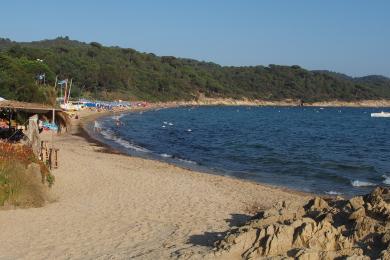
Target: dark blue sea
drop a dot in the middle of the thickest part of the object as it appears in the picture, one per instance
(322, 150)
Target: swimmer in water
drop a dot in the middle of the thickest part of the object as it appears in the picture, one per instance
(118, 122)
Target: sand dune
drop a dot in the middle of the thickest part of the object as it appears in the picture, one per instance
(111, 206)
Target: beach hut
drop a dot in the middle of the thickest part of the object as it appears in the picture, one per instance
(28, 115)
(15, 111)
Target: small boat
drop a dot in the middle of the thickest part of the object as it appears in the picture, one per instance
(381, 114)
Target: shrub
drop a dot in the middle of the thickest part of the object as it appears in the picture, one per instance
(20, 184)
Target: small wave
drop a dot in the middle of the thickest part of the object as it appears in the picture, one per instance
(109, 135)
(165, 155)
(187, 161)
(117, 117)
(338, 165)
(357, 183)
(332, 192)
(387, 179)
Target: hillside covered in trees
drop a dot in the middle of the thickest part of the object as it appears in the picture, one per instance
(121, 73)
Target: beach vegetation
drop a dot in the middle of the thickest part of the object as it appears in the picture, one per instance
(23, 178)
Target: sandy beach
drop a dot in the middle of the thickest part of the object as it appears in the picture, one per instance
(112, 206)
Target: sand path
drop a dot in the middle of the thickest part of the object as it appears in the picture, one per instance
(112, 206)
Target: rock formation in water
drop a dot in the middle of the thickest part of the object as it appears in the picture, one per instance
(358, 228)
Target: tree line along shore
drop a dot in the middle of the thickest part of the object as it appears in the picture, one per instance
(29, 71)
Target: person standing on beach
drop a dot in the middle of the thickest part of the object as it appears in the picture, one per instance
(96, 127)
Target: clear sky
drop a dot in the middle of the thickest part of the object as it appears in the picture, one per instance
(348, 36)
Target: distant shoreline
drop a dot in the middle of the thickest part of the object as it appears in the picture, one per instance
(281, 103)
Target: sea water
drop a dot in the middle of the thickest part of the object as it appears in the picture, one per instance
(322, 150)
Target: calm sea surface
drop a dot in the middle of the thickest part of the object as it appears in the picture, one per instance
(323, 150)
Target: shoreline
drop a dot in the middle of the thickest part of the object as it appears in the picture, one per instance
(106, 148)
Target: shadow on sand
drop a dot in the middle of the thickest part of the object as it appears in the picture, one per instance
(209, 238)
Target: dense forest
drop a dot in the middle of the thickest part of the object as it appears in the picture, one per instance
(101, 72)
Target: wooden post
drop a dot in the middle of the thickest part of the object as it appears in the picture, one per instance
(46, 153)
(50, 158)
(41, 152)
(53, 116)
(55, 158)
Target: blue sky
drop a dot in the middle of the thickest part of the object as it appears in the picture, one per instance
(348, 36)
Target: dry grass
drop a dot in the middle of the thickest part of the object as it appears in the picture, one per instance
(22, 177)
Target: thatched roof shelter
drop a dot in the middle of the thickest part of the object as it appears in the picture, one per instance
(28, 107)
(49, 112)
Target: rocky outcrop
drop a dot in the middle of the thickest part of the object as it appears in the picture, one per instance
(357, 228)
